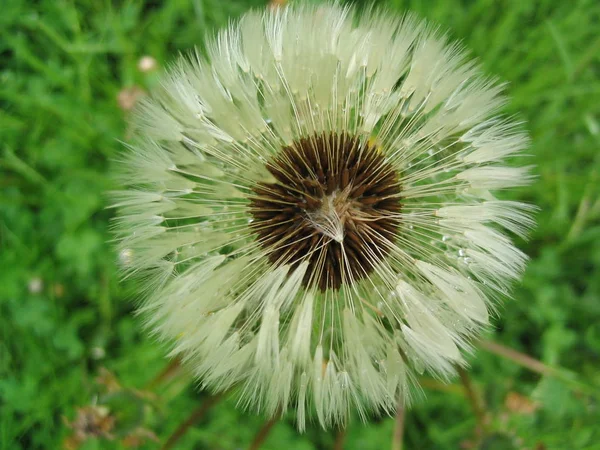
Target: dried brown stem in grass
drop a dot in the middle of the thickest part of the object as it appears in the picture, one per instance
(168, 372)
(474, 399)
(436, 385)
(193, 418)
(263, 433)
(520, 358)
(340, 438)
(276, 3)
(534, 365)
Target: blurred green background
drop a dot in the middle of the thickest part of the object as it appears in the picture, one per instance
(69, 74)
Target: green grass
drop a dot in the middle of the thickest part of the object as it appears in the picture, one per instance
(62, 65)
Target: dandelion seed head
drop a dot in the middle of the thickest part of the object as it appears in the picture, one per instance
(335, 201)
(311, 209)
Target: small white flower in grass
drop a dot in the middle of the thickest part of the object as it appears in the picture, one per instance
(310, 209)
(147, 64)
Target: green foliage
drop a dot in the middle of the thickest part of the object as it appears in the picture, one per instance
(64, 314)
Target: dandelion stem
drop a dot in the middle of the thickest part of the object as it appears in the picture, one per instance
(397, 440)
(263, 433)
(340, 437)
(196, 415)
(474, 399)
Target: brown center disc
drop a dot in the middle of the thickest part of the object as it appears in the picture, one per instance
(335, 204)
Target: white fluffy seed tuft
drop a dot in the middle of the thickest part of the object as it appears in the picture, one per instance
(205, 137)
